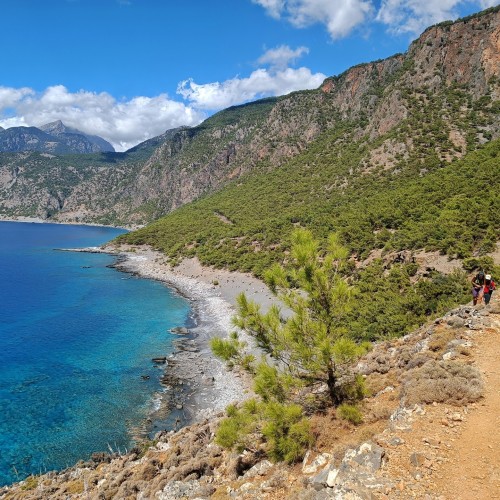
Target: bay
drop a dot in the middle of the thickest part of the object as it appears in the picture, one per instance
(76, 342)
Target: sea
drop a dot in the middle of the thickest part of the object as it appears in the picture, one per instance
(77, 338)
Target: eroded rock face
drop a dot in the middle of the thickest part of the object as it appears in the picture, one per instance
(374, 98)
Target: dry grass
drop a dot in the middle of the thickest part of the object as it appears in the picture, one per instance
(376, 382)
(440, 340)
(443, 382)
(75, 487)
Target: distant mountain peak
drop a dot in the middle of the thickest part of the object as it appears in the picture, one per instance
(58, 127)
(54, 137)
(62, 131)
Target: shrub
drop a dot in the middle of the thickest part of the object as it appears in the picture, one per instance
(286, 431)
(233, 432)
(477, 263)
(30, 483)
(225, 349)
(350, 413)
(443, 382)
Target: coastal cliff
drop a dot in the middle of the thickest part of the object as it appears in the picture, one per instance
(441, 96)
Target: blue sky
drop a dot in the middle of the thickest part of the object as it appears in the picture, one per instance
(130, 69)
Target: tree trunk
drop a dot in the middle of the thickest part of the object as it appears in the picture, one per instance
(332, 390)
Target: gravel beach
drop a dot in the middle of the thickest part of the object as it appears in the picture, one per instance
(213, 293)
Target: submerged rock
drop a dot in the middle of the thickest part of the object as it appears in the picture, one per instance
(161, 360)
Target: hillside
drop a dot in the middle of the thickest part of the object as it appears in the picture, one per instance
(407, 115)
(400, 158)
(425, 434)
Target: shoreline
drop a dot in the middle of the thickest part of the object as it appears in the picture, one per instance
(195, 384)
(196, 381)
(38, 220)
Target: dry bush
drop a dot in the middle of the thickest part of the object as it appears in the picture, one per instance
(376, 382)
(377, 362)
(443, 382)
(75, 487)
(440, 340)
(418, 360)
(380, 411)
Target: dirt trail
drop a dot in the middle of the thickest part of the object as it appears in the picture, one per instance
(473, 469)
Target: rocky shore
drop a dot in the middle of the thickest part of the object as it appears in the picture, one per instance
(197, 385)
(201, 384)
(429, 431)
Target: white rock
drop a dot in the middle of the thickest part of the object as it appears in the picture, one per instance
(331, 480)
(318, 462)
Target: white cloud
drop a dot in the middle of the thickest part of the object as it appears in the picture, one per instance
(261, 83)
(282, 56)
(273, 7)
(128, 122)
(339, 16)
(9, 96)
(413, 16)
(123, 123)
(488, 3)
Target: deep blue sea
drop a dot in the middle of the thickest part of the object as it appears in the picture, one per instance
(76, 337)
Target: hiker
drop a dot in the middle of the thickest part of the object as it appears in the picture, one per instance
(488, 287)
(477, 288)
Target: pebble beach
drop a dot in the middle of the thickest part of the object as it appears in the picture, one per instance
(212, 293)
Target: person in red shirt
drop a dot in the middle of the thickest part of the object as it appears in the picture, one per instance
(488, 287)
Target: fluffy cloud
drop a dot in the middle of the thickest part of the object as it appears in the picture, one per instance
(126, 123)
(413, 16)
(282, 56)
(123, 123)
(9, 97)
(340, 17)
(488, 3)
(261, 83)
(273, 7)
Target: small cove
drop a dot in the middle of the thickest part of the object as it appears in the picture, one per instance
(76, 342)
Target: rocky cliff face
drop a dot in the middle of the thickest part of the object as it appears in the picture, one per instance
(441, 96)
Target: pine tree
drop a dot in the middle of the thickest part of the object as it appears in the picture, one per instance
(310, 343)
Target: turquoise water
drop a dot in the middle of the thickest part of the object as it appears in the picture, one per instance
(76, 337)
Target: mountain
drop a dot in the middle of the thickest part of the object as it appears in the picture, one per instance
(53, 138)
(74, 138)
(30, 139)
(402, 117)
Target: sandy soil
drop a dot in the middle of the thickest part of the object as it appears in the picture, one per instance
(473, 469)
(456, 448)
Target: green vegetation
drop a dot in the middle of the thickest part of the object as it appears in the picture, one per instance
(30, 483)
(451, 208)
(350, 413)
(313, 343)
(283, 426)
(310, 347)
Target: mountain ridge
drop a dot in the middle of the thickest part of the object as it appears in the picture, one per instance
(52, 138)
(450, 70)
